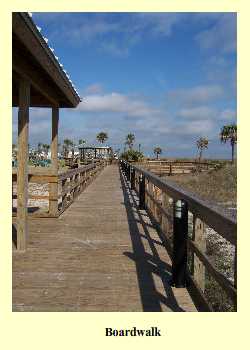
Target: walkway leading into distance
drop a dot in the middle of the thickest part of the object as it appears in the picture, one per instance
(102, 254)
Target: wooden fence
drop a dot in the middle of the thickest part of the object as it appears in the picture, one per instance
(164, 168)
(61, 189)
(171, 209)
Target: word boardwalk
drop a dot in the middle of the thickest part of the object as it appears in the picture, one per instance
(152, 332)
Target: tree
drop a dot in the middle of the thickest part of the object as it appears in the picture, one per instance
(81, 142)
(39, 148)
(46, 148)
(201, 144)
(66, 144)
(229, 133)
(102, 137)
(157, 151)
(132, 155)
(130, 139)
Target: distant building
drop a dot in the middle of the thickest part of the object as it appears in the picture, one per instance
(94, 152)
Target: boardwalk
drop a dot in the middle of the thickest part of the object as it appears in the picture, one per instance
(102, 254)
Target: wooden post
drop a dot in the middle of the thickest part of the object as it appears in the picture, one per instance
(129, 172)
(179, 268)
(200, 241)
(142, 192)
(170, 170)
(165, 221)
(53, 187)
(132, 178)
(22, 170)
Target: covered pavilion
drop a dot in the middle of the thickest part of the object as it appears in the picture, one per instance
(38, 80)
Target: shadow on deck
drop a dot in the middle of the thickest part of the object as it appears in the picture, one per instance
(147, 264)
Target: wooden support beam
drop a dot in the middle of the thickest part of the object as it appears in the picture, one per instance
(22, 170)
(53, 187)
(25, 70)
(200, 239)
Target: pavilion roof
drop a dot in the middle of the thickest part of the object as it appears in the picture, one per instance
(35, 60)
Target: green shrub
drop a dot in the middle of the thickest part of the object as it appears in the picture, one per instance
(132, 155)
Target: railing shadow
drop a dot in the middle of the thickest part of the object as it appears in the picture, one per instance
(147, 265)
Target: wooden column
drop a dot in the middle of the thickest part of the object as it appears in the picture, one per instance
(199, 239)
(22, 170)
(53, 187)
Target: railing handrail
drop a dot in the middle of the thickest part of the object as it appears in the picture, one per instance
(178, 162)
(72, 172)
(217, 218)
(180, 244)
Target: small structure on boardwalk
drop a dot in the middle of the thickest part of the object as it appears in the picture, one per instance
(38, 81)
(94, 152)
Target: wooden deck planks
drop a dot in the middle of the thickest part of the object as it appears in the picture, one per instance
(102, 254)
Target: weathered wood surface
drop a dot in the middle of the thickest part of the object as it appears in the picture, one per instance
(203, 213)
(102, 254)
(22, 174)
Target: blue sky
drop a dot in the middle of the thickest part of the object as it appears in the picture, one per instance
(169, 78)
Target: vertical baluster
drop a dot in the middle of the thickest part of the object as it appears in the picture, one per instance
(200, 240)
(165, 205)
(132, 179)
(179, 266)
(142, 192)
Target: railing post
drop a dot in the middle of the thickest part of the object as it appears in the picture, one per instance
(170, 169)
(200, 239)
(129, 172)
(142, 192)
(132, 178)
(180, 235)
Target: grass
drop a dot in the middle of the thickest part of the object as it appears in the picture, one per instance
(219, 185)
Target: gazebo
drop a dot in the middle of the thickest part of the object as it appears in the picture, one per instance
(96, 151)
(38, 81)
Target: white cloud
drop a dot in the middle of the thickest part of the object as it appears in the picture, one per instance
(116, 103)
(228, 114)
(94, 89)
(116, 33)
(199, 127)
(198, 94)
(203, 112)
(221, 36)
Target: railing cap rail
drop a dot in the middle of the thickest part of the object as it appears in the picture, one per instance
(223, 222)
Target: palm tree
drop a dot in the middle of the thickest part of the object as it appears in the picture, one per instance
(66, 144)
(81, 142)
(157, 151)
(102, 137)
(39, 148)
(229, 133)
(130, 139)
(46, 148)
(201, 144)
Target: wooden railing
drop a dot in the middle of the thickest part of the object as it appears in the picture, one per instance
(74, 181)
(182, 220)
(61, 189)
(162, 168)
